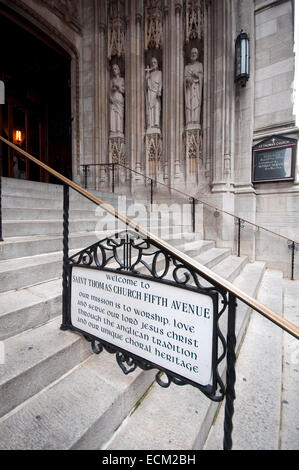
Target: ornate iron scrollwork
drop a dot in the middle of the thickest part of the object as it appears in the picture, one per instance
(129, 252)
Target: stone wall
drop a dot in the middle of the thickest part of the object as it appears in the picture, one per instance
(277, 203)
(233, 118)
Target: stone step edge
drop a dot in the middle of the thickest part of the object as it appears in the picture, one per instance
(19, 383)
(123, 394)
(56, 256)
(105, 233)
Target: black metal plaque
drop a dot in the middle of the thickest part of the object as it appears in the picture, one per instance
(274, 159)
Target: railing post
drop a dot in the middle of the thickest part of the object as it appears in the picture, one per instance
(293, 259)
(239, 235)
(230, 373)
(152, 191)
(193, 215)
(85, 171)
(113, 177)
(65, 268)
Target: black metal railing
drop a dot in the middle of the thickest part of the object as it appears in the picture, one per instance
(240, 222)
(228, 291)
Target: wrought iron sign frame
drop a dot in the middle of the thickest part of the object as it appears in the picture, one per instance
(131, 252)
(274, 142)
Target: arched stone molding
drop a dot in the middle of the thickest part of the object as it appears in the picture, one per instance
(33, 14)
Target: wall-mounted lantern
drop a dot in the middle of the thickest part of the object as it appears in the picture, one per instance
(242, 58)
(18, 137)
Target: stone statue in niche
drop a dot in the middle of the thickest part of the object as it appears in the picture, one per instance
(153, 78)
(117, 103)
(193, 81)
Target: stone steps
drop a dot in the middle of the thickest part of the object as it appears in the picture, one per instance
(16, 273)
(22, 272)
(35, 358)
(79, 411)
(213, 256)
(96, 213)
(42, 227)
(289, 434)
(17, 228)
(40, 213)
(31, 307)
(230, 267)
(33, 201)
(35, 305)
(58, 395)
(115, 402)
(187, 425)
(266, 407)
(31, 245)
(257, 415)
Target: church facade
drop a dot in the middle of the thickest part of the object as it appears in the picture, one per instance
(152, 86)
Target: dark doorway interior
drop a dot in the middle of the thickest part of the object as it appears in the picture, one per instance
(37, 111)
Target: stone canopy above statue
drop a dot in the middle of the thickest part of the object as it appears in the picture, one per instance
(156, 84)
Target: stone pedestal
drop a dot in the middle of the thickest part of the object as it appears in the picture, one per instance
(193, 150)
(117, 149)
(153, 152)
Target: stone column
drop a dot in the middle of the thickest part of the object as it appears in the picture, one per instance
(218, 123)
(245, 204)
(88, 83)
(103, 90)
(116, 90)
(207, 93)
(172, 89)
(139, 162)
(178, 158)
(134, 128)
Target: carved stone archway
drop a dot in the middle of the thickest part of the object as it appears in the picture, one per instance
(39, 25)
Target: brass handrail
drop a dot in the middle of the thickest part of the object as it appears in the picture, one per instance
(196, 198)
(189, 262)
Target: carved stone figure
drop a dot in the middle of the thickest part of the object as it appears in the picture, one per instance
(193, 90)
(117, 102)
(153, 79)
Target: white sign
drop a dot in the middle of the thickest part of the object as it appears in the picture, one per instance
(163, 324)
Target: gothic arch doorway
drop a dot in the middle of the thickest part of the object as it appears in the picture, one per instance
(37, 112)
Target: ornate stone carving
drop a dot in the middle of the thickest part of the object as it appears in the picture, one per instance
(153, 77)
(193, 148)
(193, 81)
(227, 164)
(153, 145)
(116, 29)
(117, 150)
(193, 19)
(117, 103)
(153, 25)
